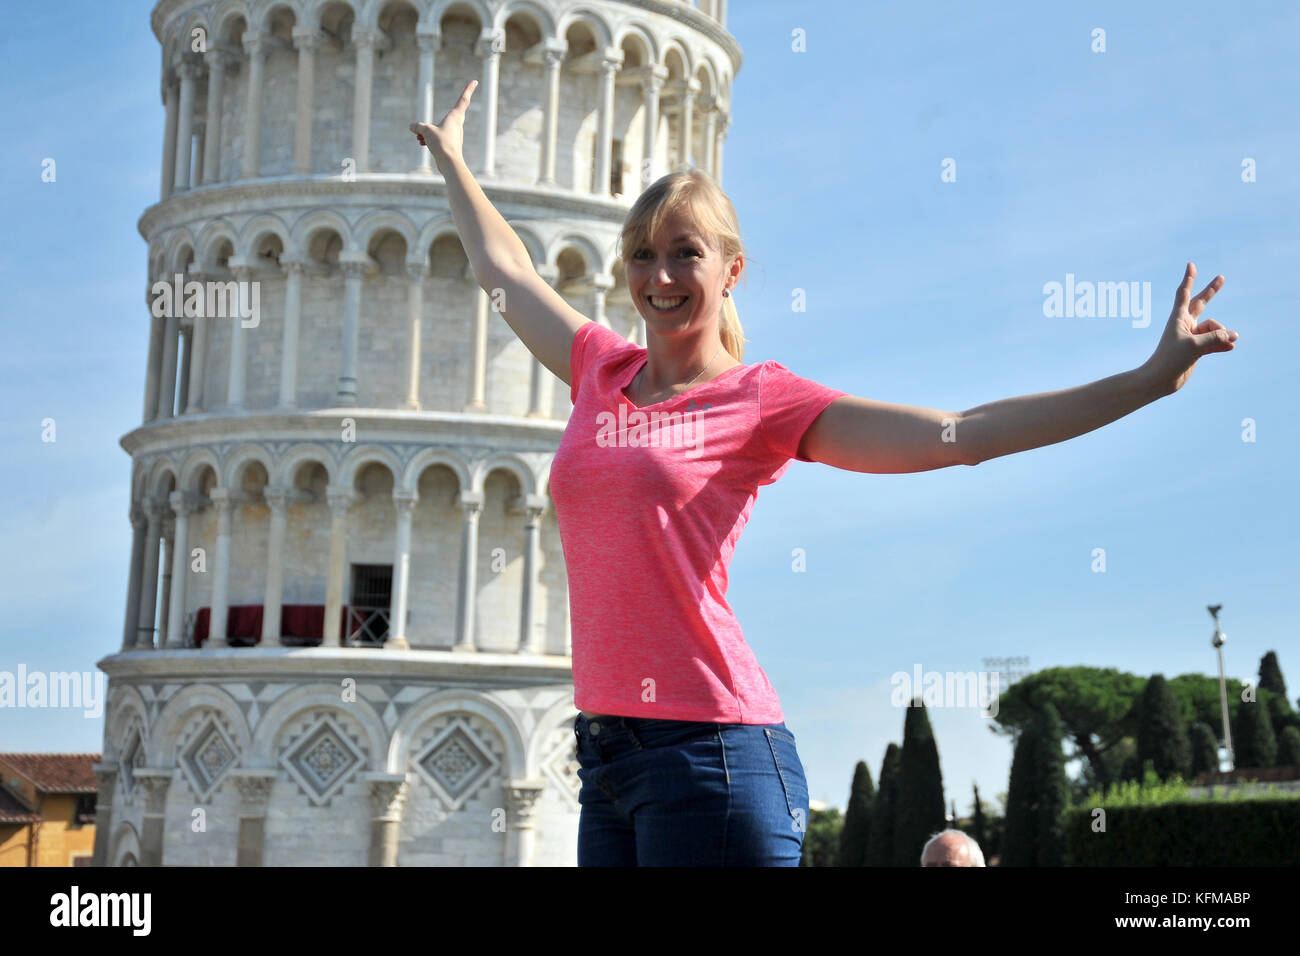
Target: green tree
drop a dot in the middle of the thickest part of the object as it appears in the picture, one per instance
(1205, 748)
(1270, 675)
(1039, 793)
(1288, 748)
(1162, 731)
(1256, 744)
(855, 837)
(880, 849)
(977, 825)
(821, 841)
(919, 811)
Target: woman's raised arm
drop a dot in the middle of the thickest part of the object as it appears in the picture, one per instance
(544, 322)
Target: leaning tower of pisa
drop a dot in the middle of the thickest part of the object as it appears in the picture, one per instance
(346, 629)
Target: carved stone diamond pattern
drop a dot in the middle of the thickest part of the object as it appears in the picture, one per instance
(208, 758)
(322, 761)
(456, 765)
(561, 764)
(456, 762)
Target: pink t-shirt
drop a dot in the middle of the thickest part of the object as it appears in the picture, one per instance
(650, 505)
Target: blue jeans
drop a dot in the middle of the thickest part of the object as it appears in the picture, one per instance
(688, 793)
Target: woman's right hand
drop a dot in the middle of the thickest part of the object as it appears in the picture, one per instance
(448, 137)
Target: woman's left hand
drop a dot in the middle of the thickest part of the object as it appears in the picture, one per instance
(1186, 339)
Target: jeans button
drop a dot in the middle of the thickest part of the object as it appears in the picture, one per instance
(595, 727)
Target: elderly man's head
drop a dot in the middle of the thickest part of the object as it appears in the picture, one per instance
(951, 848)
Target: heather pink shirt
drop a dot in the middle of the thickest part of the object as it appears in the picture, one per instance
(650, 505)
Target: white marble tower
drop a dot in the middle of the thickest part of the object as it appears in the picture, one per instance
(346, 628)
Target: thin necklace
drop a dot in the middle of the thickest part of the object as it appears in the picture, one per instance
(697, 374)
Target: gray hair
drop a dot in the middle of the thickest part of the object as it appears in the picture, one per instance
(973, 852)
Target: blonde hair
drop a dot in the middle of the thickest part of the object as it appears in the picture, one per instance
(699, 198)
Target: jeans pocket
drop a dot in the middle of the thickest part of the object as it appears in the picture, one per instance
(790, 769)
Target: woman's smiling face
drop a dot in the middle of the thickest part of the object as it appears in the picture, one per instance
(681, 272)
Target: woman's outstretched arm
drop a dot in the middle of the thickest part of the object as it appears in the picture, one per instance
(858, 434)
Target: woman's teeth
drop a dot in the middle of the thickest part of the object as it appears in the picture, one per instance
(667, 305)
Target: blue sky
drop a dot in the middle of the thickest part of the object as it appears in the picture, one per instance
(1114, 166)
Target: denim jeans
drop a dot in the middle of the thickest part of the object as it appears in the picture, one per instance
(688, 793)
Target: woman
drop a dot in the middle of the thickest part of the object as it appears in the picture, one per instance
(684, 755)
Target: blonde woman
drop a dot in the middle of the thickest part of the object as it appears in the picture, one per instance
(685, 759)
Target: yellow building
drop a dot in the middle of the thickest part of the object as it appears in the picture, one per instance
(47, 809)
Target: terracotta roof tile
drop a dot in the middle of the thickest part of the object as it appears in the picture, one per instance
(55, 773)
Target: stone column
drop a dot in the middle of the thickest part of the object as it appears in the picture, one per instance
(293, 270)
(539, 405)
(306, 42)
(153, 783)
(404, 501)
(241, 268)
(340, 500)
(149, 575)
(277, 497)
(652, 81)
(169, 135)
(554, 52)
(218, 61)
(171, 344)
(187, 359)
(478, 370)
(153, 368)
(609, 64)
(472, 503)
(255, 48)
(600, 286)
(532, 507)
(710, 107)
(106, 783)
(414, 317)
(688, 91)
(189, 73)
(388, 793)
(521, 797)
(200, 140)
(490, 47)
(428, 43)
(183, 503)
(365, 41)
(139, 536)
(219, 615)
(353, 270)
(165, 561)
(254, 799)
(197, 348)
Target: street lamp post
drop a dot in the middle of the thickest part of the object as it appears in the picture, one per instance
(1217, 642)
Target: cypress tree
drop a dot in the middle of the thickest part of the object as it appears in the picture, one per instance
(880, 849)
(1288, 748)
(1205, 748)
(855, 836)
(1256, 743)
(919, 811)
(1019, 835)
(1162, 734)
(1270, 675)
(1052, 789)
(977, 823)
